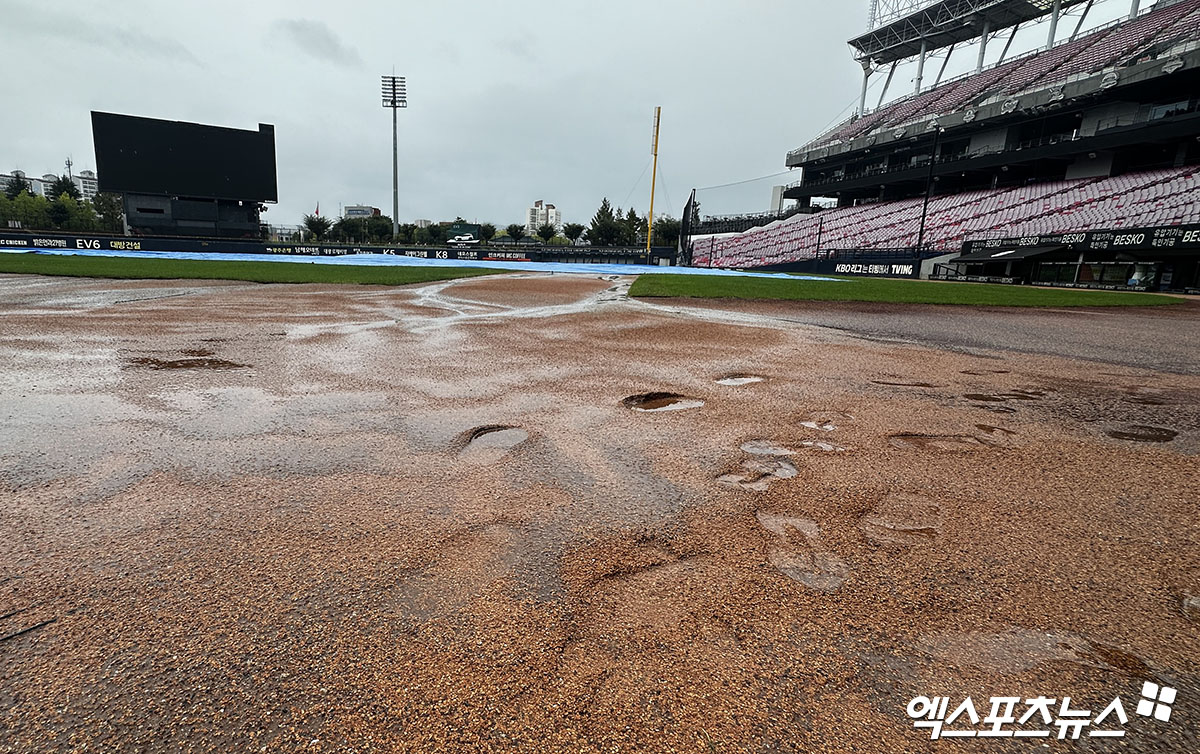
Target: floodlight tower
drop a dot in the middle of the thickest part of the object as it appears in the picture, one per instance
(395, 96)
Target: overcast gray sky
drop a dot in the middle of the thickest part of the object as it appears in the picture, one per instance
(509, 102)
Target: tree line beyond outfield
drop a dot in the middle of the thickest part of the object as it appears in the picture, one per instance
(608, 227)
(63, 209)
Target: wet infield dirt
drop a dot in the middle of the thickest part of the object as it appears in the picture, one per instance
(441, 517)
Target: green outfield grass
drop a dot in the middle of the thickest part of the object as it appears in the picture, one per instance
(884, 290)
(258, 272)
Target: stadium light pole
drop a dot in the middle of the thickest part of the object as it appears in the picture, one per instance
(937, 136)
(395, 96)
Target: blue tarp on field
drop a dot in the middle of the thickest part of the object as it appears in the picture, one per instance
(399, 260)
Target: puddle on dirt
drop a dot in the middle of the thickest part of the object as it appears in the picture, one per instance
(905, 384)
(903, 519)
(826, 447)
(1016, 650)
(661, 402)
(759, 474)
(946, 443)
(736, 380)
(489, 443)
(192, 362)
(804, 559)
(766, 448)
(1142, 433)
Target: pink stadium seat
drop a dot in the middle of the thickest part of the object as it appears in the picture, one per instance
(1147, 199)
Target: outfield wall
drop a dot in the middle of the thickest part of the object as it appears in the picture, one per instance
(661, 256)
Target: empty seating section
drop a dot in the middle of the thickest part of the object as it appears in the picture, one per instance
(1089, 54)
(1136, 200)
(1036, 68)
(1122, 41)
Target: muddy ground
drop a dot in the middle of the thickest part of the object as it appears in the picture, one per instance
(526, 513)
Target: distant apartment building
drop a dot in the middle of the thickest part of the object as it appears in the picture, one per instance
(86, 182)
(36, 186)
(352, 211)
(422, 222)
(540, 214)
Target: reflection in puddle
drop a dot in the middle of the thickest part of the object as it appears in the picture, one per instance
(1142, 433)
(489, 443)
(739, 379)
(661, 402)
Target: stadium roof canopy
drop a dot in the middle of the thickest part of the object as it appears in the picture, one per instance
(946, 22)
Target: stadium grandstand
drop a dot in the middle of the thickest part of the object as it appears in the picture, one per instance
(1081, 157)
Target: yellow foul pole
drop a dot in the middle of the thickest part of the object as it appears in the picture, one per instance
(653, 176)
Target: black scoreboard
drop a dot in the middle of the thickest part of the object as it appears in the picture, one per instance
(148, 156)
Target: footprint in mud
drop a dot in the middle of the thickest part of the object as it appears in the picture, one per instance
(1190, 605)
(903, 519)
(737, 380)
(194, 361)
(997, 409)
(766, 448)
(1143, 433)
(1145, 396)
(1017, 650)
(825, 447)
(826, 421)
(905, 384)
(994, 435)
(1011, 395)
(489, 443)
(759, 473)
(648, 402)
(986, 436)
(1146, 400)
(799, 553)
(944, 443)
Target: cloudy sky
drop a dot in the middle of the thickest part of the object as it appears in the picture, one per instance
(508, 102)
